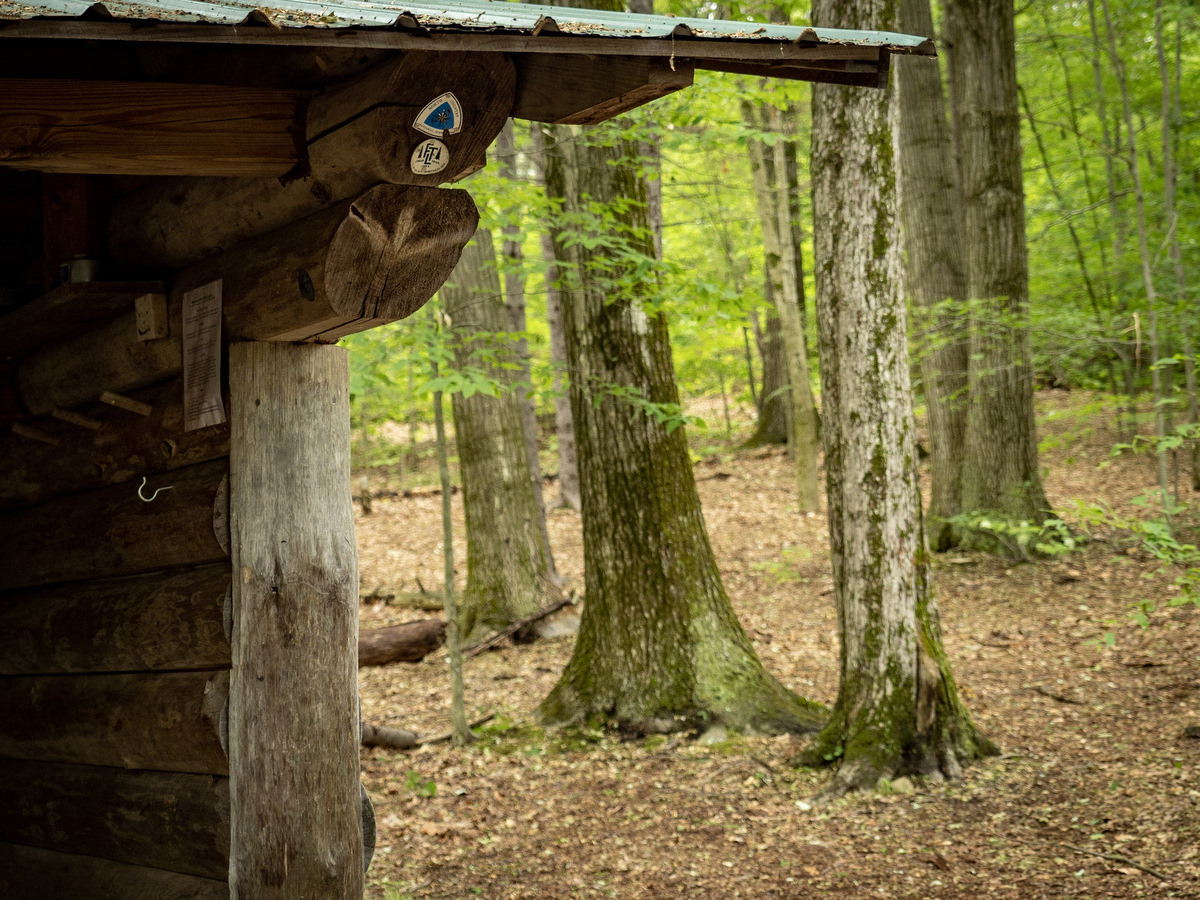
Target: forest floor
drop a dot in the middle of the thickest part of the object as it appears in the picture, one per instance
(1096, 793)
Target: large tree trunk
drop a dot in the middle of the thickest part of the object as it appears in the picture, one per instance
(775, 207)
(1000, 468)
(772, 412)
(514, 304)
(935, 272)
(564, 426)
(659, 647)
(897, 710)
(1132, 161)
(507, 574)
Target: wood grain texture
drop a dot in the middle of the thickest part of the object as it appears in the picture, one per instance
(296, 828)
(169, 722)
(410, 642)
(360, 133)
(359, 264)
(125, 447)
(65, 216)
(112, 532)
(28, 873)
(558, 89)
(114, 127)
(175, 822)
(108, 357)
(66, 311)
(153, 622)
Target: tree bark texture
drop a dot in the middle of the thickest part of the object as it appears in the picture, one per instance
(296, 820)
(774, 195)
(507, 573)
(514, 305)
(935, 276)
(897, 710)
(409, 642)
(1000, 468)
(772, 425)
(564, 426)
(659, 646)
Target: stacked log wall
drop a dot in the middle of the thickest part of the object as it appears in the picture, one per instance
(115, 655)
(117, 603)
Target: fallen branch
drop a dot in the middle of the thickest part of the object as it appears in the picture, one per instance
(476, 649)
(449, 734)
(388, 738)
(410, 642)
(1118, 858)
(1038, 689)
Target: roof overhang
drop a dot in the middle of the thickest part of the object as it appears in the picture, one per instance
(524, 30)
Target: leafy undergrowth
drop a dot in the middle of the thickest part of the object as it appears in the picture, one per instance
(1097, 794)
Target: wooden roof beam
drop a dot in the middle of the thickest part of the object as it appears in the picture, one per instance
(115, 128)
(557, 88)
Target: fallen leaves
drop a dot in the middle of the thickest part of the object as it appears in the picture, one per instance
(1096, 742)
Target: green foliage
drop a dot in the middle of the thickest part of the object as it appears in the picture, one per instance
(1020, 539)
(421, 786)
(786, 568)
(1158, 539)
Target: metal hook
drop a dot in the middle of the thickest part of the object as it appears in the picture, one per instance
(156, 492)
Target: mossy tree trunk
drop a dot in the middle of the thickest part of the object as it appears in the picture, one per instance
(772, 425)
(898, 710)
(564, 428)
(508, 577)
(659, 647)
(774, 191)
(935, 275)
(514, 304)
(1000, 468)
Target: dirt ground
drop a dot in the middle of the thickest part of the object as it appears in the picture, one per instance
(1096, 795)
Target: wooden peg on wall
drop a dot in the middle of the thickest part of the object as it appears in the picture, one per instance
(74, 418)
(35, 434)
(127, 403)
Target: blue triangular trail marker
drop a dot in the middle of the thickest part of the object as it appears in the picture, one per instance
(441, 118)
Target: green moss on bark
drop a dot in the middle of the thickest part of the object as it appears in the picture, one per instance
(659, 647)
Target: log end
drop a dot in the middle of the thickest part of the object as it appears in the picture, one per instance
(395, 248)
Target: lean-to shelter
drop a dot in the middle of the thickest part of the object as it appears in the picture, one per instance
(196, 201)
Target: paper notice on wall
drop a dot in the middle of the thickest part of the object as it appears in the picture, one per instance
(202, 403)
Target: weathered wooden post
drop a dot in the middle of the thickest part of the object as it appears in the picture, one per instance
(295, 826)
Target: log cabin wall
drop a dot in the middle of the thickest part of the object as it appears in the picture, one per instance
(115, 653)
(178, 647)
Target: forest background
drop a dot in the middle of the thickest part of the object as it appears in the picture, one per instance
(1110, 187)
(1097, 318)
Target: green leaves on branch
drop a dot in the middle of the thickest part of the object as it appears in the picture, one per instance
(1020, 539)
(669, 415)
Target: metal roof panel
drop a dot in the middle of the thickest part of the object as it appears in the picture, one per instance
(488, 16)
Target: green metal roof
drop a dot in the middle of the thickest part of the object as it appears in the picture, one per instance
(479, 17)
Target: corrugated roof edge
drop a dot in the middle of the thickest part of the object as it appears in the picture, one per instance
(454, 17)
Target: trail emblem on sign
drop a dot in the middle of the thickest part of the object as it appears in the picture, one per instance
(430, 157)
(440, 116)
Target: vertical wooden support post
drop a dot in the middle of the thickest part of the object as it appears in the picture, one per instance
(296, 828)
